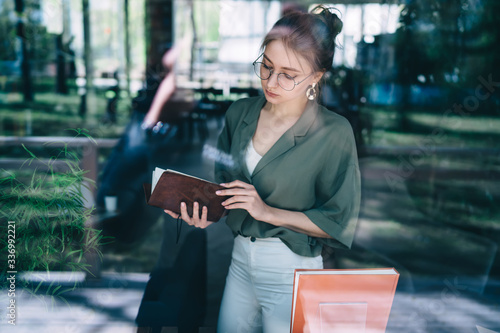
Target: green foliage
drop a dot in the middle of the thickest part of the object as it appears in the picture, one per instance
(429, 40)
(51, 221)
(7, 32)
(449, 42)
(34, 33)
(207, 17)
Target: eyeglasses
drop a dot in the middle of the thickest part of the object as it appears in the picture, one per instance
(285, 81)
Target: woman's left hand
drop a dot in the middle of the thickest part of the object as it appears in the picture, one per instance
(245, 196)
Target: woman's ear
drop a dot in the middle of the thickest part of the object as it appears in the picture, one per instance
(318, 76)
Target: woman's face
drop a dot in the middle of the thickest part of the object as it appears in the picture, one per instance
(283, 60)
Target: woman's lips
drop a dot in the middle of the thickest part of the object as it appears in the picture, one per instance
(270, 94)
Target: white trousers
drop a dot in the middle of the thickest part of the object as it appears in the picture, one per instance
(259, 286)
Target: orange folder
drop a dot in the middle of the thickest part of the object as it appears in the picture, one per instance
(342, 300)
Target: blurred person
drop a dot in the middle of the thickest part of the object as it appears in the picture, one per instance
(130, 163)
(295, 183)
(175, 295)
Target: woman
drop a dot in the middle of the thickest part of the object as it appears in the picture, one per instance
(294, 185)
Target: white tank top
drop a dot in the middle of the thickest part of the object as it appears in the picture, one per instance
(251, 157)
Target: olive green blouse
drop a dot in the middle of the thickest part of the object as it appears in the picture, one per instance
(312, 168)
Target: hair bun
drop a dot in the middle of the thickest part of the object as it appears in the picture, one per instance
(331, 20)
(311, 34)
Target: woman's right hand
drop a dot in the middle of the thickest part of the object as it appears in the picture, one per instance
(195, 220)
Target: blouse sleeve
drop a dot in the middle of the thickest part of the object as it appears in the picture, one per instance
(338, 215)
(338, 195)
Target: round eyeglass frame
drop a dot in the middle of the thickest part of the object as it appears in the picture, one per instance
(257, 65)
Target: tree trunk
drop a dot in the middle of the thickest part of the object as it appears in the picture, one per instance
(127, 43)
(25, 49)
(194, 41)
(87, 55)
(159, 37)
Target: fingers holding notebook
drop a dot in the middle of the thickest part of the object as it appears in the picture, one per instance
(195, 220)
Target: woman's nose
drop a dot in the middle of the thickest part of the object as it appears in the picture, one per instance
(273, 80)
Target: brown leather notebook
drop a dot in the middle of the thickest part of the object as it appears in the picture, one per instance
(169, 188)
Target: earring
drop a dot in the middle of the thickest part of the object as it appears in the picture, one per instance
(311, 92)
